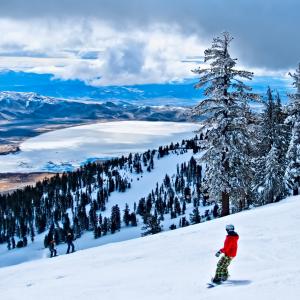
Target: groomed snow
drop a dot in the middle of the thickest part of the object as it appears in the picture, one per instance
(175, 265)
(64, 149)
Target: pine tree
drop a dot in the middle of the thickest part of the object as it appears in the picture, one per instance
(13, 243)
(228, 139)
(268, 123)
(92, 217)
(282, 131)
(105, 226)
(292, 174)
(183, 222)
(215, 211)
(126, 217)
(177, 206)
(195, 216)
(8, 244)
(141, 208)
(32, 234)
(152, 225)
(133, 219)
(115, 218)
(271, 163)
(183, 207)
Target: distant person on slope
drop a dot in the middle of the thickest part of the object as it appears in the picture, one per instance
(52, 249)
(229, 251)
(69, 240)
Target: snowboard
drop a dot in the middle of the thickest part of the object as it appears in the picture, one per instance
(229, 282)
(211, 285)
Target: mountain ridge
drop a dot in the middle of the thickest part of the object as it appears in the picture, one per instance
(20, 106)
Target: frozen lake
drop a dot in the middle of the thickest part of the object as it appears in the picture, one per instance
(66, 149)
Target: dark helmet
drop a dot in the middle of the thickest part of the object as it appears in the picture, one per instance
(229, 227)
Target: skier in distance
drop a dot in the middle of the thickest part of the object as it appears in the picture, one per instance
(69, 240)
(53, 251)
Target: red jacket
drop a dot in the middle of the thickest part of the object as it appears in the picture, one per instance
(230, 244)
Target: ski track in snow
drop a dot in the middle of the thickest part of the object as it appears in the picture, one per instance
(176, 264)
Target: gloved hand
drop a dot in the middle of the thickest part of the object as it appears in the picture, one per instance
(218, 253)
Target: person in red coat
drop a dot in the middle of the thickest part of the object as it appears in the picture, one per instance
(229, 250)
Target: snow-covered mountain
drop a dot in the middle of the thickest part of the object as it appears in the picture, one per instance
(20, 106)
(175, 265)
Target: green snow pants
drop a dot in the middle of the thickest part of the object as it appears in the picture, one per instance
(222, 267)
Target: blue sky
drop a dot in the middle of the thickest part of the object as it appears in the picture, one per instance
(175, 93)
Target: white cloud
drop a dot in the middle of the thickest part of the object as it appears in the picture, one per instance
(101, 54)
(122, 58)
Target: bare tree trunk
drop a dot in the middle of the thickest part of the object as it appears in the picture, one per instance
(225, 195)
(225, 204)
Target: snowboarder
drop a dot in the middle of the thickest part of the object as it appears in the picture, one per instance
(69, 240)
(52, 249)
(229, 251)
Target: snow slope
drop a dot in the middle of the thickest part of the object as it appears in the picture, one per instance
(176, 264)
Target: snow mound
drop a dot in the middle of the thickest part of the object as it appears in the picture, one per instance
(175, 264)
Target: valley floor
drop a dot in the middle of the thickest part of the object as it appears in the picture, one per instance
(13, 181)
(175, 265)
(15, 132)
(66, 149)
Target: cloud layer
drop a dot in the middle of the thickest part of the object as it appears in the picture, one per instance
(135, 41)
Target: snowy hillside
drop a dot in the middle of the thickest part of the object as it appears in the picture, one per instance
(175, 265)
(141, 186)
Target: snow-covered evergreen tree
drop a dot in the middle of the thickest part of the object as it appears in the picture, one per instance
(292, 174)
(228, 171)
(264, 142)
(271, 163)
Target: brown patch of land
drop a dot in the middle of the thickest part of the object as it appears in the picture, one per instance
(13, 181)
(6, 149)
